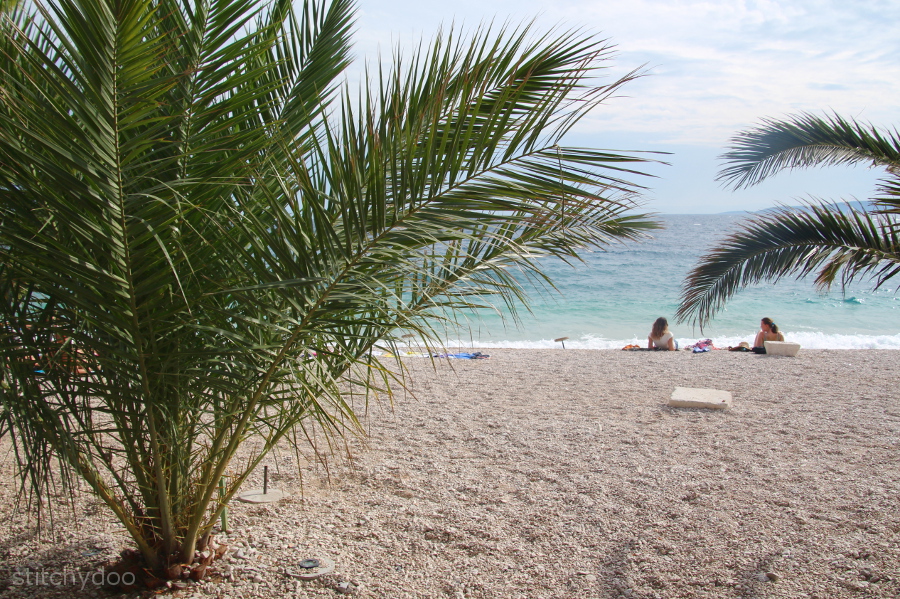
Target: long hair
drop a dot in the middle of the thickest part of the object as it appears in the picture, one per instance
(771, 324)
(659, 328)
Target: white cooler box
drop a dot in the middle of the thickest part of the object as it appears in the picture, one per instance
(781, 348)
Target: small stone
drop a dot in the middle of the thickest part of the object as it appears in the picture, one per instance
(344, 588)
(590, 578)
(762, 577)
(773, 576)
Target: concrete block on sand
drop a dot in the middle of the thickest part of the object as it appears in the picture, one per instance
(687, 397)
(781, 348)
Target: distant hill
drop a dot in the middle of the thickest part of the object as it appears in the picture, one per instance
(842, 206)
(846, 206)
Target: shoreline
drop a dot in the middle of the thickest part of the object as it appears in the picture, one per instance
(885, 342)
(556, 474)
(478, 347)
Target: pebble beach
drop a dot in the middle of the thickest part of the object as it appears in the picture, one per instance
(559, 474)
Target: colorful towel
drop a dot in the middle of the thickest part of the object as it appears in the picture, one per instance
(704, 345)
(460, 356)
(464, 356)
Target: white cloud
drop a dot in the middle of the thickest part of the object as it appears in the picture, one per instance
(721, 66)
(716, 66)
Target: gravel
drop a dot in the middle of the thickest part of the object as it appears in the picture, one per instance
(558, 474)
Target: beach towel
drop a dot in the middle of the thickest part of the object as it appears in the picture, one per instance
(464, 356)
(704, 345)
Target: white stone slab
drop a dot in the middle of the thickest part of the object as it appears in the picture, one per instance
(687, 397)
(781, 348)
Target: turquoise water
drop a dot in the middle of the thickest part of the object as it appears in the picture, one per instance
(613, 298)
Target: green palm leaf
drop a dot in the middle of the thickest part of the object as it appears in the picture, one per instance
(807, 140)
(202, 237)
(833, 242)
(821, 239)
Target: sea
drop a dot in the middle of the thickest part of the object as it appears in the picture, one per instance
(612, 298)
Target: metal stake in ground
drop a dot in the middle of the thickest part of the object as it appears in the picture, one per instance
(225, 509)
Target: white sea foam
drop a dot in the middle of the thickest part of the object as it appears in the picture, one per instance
(809, 340)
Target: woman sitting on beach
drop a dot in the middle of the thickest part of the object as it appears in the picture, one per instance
(661, 337)
(768, 332)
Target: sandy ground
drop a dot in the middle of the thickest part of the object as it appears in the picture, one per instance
(563, 474)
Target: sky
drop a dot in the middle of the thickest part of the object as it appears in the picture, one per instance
(713, 68)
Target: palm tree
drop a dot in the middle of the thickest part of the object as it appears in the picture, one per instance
(202, 236)
(828, 239)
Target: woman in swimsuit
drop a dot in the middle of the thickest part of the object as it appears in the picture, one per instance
(660, 336)
(768, 332)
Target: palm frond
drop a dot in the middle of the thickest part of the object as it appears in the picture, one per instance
(807, 140)
(464, 174)
(201, 239)
(837, 245)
